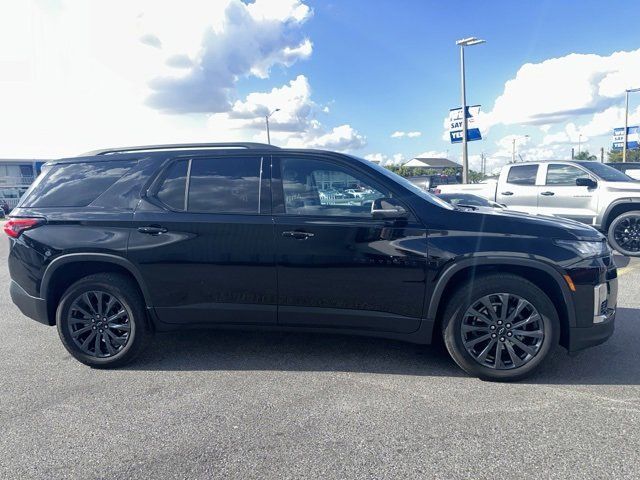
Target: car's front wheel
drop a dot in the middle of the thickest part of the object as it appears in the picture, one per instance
(624, 233)
(101, 320)
(500, 327)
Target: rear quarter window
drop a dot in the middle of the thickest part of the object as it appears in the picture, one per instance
(76, 184)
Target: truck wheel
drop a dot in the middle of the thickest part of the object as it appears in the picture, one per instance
(101, 320)
(500, 327)
(624, 233)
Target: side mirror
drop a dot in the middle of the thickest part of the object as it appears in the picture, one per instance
(387, 208)
(586, 182)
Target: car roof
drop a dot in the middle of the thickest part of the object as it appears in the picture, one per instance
(128, 153)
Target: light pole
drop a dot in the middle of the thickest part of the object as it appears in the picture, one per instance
(513, 147)
(266, 119)
(465, 42)
(579, 143)
(626, 121)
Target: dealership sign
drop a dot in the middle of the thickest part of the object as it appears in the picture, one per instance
(455, 124)
(633, 138)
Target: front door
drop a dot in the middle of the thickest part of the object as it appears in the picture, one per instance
(203, 241)
(561, 197)
(337, 266)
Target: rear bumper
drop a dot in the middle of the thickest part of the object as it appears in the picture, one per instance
(32, 307)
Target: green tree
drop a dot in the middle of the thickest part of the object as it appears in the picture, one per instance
(585, 155)
(616, 156)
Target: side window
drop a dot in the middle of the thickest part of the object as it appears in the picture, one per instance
(224, 185)
(315, 187)
(172, 191)
(76, 184)
(523, 175)
(558, 174)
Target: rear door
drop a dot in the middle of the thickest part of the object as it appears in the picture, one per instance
(337, 266)
(560, 196)
(519, 191)
(203, 240)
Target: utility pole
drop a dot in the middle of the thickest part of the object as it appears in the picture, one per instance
(465, 42)
(626, 120)
(579, 143)
(513, 147)
(266, 119)
(601, 154)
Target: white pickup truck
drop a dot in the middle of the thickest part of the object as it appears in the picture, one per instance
(589, 192)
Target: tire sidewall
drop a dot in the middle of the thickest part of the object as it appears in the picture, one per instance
(129, 304)
(611, 235)
(490, 285)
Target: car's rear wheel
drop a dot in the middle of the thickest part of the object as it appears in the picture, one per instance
(624, 233)
(500, 327)
(101, 320)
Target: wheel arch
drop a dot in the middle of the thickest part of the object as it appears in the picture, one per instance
(544, 276)
(67, 269)
(618, 208)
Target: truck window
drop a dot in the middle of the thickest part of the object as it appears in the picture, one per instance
(523, 175)
(558, 174)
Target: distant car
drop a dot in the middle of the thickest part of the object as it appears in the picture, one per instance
(4, 207)
(631, 169)
(468, 199)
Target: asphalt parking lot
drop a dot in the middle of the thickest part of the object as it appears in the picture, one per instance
(254, 405)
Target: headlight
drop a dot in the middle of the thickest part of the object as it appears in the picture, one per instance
(586, 249)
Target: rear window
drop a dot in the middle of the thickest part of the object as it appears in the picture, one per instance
(523, 175)
(76, 184)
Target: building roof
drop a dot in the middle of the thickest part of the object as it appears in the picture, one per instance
(431, 163)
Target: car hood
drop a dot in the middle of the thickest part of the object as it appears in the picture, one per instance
(511, 221)
(629, 187)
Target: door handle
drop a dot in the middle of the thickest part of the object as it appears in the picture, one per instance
(507, 193)
(152, 230)
(547, 194)
(298, 235)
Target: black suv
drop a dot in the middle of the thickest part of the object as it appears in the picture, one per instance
(114, 245)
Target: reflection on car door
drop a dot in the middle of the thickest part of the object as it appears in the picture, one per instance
(561, 197)
(203, 240)
(520, 191)
(337, 266)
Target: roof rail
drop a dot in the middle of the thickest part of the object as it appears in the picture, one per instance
(181, 146)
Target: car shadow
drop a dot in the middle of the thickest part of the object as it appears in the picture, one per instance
(616, 362)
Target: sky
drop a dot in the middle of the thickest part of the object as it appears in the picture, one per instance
(375, 79)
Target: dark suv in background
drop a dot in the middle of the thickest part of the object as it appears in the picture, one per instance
(114, 245)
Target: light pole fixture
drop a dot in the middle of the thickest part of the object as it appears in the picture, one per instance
(465, 42)
(266, 119)
(513, 147)
(626, 121)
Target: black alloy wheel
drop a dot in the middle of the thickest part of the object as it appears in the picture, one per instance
(102, 320)
(624, 234)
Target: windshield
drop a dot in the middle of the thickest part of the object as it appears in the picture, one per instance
(407, 184)
(606, 173)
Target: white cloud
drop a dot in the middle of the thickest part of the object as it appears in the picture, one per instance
(295, 124)
(564, 88)
(382, 159)
(75, 78)
(400, 134)
(244, 39)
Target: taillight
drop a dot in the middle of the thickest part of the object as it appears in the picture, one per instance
(15, 226)
(437, 191)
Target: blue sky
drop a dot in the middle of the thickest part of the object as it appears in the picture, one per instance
(346, 74)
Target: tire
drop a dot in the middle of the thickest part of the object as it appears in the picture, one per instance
(540, 335)
(624, 233)
(83, 313)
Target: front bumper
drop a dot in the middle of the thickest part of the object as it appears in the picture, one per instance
(32, 307)
(600, 324)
